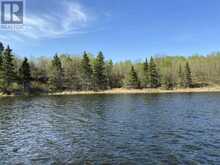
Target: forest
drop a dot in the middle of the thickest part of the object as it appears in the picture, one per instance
(87, 72)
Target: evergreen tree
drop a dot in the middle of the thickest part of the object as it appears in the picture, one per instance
(86, 72)
(154, 75)
(8, 69)
(1, 55)
(146, 80)
(180, 77)
(25, 75)
(56, 77)
(1, 48)
(1, 62)
(133, 81)
(109, 74)
(72, 74)
(188, 76)
(100, 80)
(1, 69)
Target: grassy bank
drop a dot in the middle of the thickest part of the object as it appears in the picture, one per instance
(140, 91)
(130, 91)
(4, 95)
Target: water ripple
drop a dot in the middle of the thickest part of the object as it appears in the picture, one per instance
(111, 129)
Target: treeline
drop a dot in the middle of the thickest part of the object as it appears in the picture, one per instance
(86, 72)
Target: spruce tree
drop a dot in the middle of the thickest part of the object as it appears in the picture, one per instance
(1, 62)
(146, 80)
(86, 72)
(56, 77)
(1, 48)
(1, 70)
(133, 81)
(100, 80)
(1, 55)
(109, 73)
(8, 70)
(188, 76)
(25, 75)
(154, 75)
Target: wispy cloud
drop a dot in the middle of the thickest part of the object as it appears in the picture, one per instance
(69, 18)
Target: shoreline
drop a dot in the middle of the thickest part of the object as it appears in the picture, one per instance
(128, 91)
(139, 91)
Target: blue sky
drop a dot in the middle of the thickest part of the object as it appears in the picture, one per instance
(122, 29)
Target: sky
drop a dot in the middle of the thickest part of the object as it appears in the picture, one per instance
(121, 29)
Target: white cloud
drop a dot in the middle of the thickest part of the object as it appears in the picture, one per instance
(69, 19)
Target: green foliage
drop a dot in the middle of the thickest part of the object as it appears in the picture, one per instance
(56, 74)
(1, 63)
(181, 78)
(25, 75)
(86, 73)
(68, 72)
(188, 77)
(72, 77)
(100, 79)
(169, 82)
(132, 80)
(154, 75)
(1, 48)
(146, 76)
(8, 70)
(109, 74)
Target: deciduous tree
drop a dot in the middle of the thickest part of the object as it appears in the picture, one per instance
(180, 77)
(188, 76)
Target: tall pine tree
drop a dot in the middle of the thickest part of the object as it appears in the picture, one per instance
(133, 81)
(8, 70)
(86, 72)
(109, 74)
(146, 78)
(1, 62)
(154, 75)
(188, 76)
(56, 77)
(25, 75)
(100, 80)
(1, 48)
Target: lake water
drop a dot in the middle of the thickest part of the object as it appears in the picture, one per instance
(111, 129)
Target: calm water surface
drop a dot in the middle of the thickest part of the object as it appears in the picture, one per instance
(111, 129)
